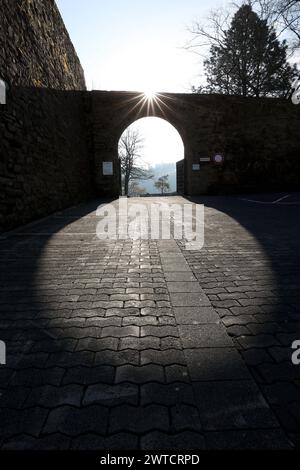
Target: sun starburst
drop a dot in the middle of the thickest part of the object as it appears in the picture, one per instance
(150, 94)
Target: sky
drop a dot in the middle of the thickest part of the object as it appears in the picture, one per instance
(138, 46)
(162, 140)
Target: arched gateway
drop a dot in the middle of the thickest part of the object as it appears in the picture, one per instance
(233, 129)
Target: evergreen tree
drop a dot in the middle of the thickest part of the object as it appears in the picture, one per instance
(250, 61)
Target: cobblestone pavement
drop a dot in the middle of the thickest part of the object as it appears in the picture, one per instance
(142, 344)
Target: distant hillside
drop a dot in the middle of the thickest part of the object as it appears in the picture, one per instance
(159, 170)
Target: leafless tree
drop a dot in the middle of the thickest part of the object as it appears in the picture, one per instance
(130, 154)
(136, 190)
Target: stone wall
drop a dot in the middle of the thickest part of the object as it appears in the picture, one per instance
(258, 137)
(35, 48)
(45, 154)
(180, 176)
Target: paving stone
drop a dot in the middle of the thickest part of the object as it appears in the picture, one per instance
(251, 310)
(173, 442)
(280, 354)
(139, 344)
(278, 372)
(190, 300)
(177, 373)
(139, 375)
(29, 421)
(14, 397)
(204, 336)
(286, 339)
(76, 421)
(254, 357)
(170, 342)
(169, 256)
(84, 358)
(74, 333)
(232, 405)
(117, 358)
(99, 344)
(163, 304)
(139, 419)
(215, 364)
(237, 320)
(121, 332)
(87, 313)
(24, 443)
(167, 394)
(234, 295)
(268, 439)
(37, 377)
(122, 312)
(49, 346)
(103, 322)
(159, 331)
(184, 418)
(179, 277)
(267, 328)
(167, 321)
(51, 397)
(140, 321)
(167, 357)
(258, 341)
(184, 287)
(195, 315)
(67, 323)
(178, 267)
(111, 395)
(282, 392)
(157, 312)
(238, 330)
(229, 303)
(90, 375)
(117, 442)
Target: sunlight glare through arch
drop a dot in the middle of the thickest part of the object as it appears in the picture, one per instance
(150, 94)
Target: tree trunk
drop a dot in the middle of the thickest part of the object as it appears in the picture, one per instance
(126, 185)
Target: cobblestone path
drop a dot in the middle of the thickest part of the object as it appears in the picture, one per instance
(142, 344)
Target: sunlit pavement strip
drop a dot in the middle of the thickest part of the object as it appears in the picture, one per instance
(115, 345)
(210, 355)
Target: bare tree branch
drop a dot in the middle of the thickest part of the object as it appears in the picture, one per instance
(130, 154)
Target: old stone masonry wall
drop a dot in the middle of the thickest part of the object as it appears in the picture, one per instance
(35, 47)
(44, 154)
(44, 138)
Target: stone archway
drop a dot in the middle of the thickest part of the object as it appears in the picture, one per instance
(207, 124)
(161, 148)
(113, 113)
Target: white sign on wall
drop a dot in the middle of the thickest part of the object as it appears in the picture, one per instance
(108, 169)
(2, 92)
(2, 353)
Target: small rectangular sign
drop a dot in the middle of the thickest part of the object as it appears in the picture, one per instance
(196, 167)
(108, 168)
(204, 159)
(2, 92)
